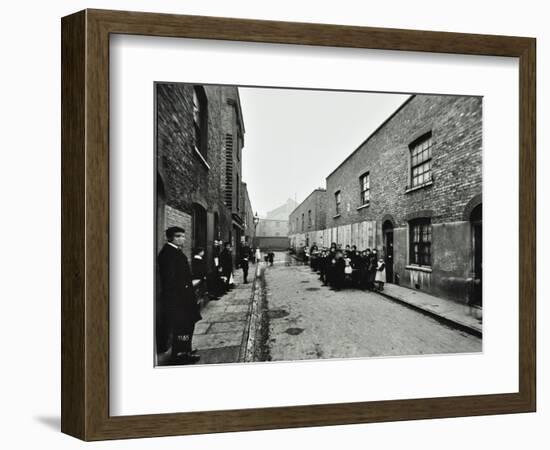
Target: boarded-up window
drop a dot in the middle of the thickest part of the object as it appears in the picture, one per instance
(338, 201)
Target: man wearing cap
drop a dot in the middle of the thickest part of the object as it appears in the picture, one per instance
(178, 299)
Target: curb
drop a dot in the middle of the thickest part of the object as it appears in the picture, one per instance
(446, 320)
(248, 342)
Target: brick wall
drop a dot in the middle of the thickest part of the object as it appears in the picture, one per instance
(248, 215)
(175, 218)
(455, 124)
(316, 203)
(187, 177)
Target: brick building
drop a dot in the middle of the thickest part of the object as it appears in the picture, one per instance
(200, 136)
(272, 228)
(308, 220)
(413, 190)
(248, 217)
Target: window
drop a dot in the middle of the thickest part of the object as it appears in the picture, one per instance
(420, 242)
(421, 161)
(365, 188)
(309, 218)
(302, 221)
(199, 119)
(338, 199)
(237, 199)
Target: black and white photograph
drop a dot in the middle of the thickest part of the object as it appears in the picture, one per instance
(297, 224)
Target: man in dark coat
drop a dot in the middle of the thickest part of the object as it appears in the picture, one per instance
(226, 262)
(177, 296)
(338, 271)
(216, 286)
(362, 265)
(330, 261)
(314, 256)
(200, 272)
(198, 265)
(245, 256)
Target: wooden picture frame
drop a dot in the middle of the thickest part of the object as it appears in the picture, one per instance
(85, 224)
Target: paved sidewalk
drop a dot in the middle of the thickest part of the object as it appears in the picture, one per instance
(220, 337)
(445, 310)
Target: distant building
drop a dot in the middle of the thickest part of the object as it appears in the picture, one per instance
(283, 211)
(248, 217)
(308, 220)
(272, 230)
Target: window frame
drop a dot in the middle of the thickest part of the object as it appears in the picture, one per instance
(418, 257)
(363, 191)
(338, 202)
(424, 157)
(200, 121)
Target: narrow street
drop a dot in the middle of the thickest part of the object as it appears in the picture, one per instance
(307, 320)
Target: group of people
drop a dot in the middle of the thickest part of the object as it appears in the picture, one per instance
(182, 285)
(216, 280)
(339, 267)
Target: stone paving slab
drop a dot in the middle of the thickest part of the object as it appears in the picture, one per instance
(238, 301)
(225, 316)
(236, 308)
(242, 294)
(219, 335)
(220, 355)
(217, 340)
(227, 327)
(201, 327)
(446, 309)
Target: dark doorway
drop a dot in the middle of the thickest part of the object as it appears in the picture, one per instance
(160, 224)
(477, 249)
(199, 227)
(217, 234)
(387, 229)
(161, 321)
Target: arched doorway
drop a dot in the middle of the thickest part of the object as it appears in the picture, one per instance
(217, 234)
(477, 249)
(161, 322)
(387, 231)
(161, 203)
(199, 227)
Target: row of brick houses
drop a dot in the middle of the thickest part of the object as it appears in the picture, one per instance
(413, 190)
(200, 136)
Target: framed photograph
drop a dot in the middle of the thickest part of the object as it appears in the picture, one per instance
(272, 225)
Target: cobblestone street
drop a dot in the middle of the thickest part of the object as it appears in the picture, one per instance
(310, 321)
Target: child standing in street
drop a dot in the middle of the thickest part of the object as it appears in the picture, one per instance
(380, 278)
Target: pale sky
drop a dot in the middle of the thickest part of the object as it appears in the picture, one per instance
(295, 138)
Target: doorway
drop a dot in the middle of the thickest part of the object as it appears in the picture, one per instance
(387, 229)
(477, 253)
